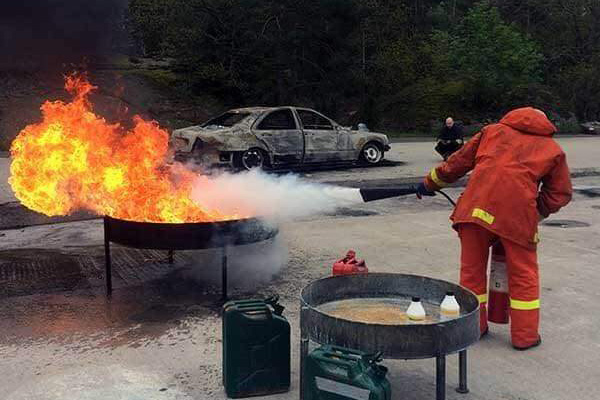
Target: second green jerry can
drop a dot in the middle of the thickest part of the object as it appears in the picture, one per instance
(256, 348)
(336, 373)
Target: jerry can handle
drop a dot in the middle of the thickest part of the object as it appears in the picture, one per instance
(345, 350)
(349, 357)
(373, 358)
(273, 301)
(340, 363)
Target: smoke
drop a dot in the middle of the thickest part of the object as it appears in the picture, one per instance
(274, 198)
(248, 265)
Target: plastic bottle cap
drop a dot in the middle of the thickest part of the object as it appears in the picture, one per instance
(416, 299)
(449, 293)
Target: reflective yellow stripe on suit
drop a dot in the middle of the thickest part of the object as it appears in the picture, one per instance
(435, 178)
(482, 298)
(483, 215)
(524, 305)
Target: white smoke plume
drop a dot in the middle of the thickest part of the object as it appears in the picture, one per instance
(274, 198)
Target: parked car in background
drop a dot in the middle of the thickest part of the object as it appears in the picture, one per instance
(591, 128)
(263, 137)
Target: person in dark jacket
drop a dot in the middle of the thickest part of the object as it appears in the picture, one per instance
(450, 131)
(450, 138)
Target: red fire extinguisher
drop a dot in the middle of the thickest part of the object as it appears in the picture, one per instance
(499, 300)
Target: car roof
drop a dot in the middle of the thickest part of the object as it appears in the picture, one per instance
(255, 109)
(262, 109)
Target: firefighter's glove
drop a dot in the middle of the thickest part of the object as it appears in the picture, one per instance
(423, 191)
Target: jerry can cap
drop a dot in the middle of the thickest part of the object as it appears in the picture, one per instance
(273, 301)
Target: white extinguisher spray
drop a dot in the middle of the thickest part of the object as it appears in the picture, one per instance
(499, 300)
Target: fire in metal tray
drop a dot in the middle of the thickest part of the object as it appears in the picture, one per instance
(74, 159)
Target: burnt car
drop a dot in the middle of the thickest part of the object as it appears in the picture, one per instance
(591, 128)
(262, 137)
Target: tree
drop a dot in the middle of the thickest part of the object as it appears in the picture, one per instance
(149, 23)
(492, 57)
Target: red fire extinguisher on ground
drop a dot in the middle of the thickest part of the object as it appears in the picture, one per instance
(350, 265)
(499, 300)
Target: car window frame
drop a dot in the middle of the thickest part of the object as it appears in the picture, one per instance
(332, 122)
(268, 113)
(247, 115)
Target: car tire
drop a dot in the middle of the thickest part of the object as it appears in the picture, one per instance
(250, 159)
(372, 153)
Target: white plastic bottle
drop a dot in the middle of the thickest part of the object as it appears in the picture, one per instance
(449, 308)
(415, 311)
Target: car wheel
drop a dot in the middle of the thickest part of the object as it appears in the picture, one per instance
(251, 158)
(372, 153)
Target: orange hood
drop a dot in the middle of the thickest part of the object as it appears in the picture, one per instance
(529, 120)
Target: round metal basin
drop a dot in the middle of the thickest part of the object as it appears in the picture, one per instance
(401, 341)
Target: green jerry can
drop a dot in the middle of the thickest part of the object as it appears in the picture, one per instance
(256, 348)
(337, 373)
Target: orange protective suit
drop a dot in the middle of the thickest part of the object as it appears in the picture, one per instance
(518, 173)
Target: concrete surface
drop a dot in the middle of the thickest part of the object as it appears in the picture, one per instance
(159, 337)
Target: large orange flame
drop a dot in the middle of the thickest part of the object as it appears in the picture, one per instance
(74, 159)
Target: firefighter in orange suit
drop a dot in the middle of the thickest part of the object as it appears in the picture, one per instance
(519, 175)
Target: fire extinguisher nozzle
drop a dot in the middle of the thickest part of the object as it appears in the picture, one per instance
(379, 193)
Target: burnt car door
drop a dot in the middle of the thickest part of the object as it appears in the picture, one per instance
(279, 130)
(322, 137)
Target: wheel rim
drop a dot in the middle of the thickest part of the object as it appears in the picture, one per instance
(372, 154)
(252, 159)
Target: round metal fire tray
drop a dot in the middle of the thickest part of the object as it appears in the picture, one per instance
(184, 236)
(403, 341)
(187, 236)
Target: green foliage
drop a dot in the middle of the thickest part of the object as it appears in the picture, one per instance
(492, 57)
(160, 77)
(391, 63)
(150, 19)
(580, 87)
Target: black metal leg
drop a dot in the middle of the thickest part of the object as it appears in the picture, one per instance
(107, 260)
(440, 378)
(224, 273)
(462, 372)
(303, 350)
(170, 256)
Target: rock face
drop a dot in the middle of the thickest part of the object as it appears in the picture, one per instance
(591, 128)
